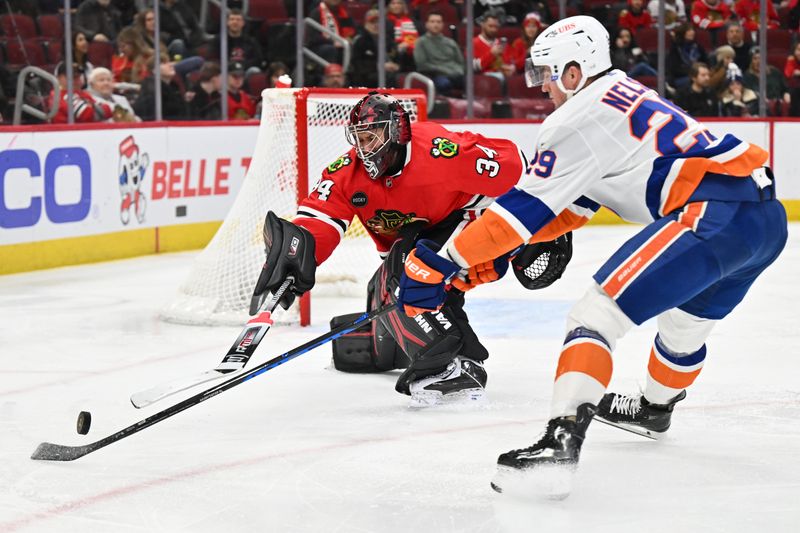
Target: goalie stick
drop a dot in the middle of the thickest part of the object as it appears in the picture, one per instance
(236, 358)
(47, 451)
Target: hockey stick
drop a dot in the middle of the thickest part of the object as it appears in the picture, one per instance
(47, 451)
(236, 358)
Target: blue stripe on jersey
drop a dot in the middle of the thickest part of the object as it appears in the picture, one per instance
(684, 359)
(528, 209)
(587, 204)
(663, 164)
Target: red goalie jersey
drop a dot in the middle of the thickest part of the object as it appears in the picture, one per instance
(444, 171)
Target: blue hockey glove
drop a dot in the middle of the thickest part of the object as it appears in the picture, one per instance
(422, 283)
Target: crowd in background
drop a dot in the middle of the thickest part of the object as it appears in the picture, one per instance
(712, 64)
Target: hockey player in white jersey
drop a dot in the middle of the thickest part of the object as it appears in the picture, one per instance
(712, 225)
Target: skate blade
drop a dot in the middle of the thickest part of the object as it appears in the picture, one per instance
(424, 399)
(653, 435)
(548, 482)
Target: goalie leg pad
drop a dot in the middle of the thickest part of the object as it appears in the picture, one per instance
(368, 349)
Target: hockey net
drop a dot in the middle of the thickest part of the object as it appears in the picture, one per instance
(301, 132)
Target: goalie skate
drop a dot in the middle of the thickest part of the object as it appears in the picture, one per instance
(463, 381)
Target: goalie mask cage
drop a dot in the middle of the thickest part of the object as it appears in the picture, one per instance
(301, 132)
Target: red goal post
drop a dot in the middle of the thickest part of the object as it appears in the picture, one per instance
(301, 131)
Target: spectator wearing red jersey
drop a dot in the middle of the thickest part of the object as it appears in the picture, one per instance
(84, 107)
(488, 49)
(520, 47)
(635, 17)
(710, 14)
(333, 16)
(749, 13)
(130, 64)
(405, 32)
(792, 68)
(240, 105)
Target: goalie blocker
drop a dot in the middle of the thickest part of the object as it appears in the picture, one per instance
(428, 342)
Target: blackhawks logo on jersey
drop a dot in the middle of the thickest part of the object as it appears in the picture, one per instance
(389, 222)
(343, 161)
(444, 148)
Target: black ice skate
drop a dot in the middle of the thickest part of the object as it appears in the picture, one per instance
(636, 414)
(462, 380)
(546, 468)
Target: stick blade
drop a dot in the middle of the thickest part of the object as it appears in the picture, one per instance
(48, 451)
(152, 395)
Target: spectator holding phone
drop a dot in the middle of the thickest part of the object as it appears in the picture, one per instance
(488, 49)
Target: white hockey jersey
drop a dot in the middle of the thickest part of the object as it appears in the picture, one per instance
(617, 144)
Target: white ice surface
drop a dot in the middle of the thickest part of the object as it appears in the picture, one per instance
(305, 448)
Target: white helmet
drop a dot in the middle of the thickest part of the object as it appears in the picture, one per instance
(580, 39)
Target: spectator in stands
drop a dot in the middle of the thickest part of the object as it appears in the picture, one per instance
(240, 105)
(99, 20)
(333, 77)
(130, 64)
(363, 63)
(792, 68)
(173, 106)
(80, 53)
(242, 48)
(635, 17)
(146, 26)
(276, 72)
(84, 107)
(710, 14)
(674, 13)
(439, 57)
(101, 87)
(737, 100)
(334, 16)
(696, 97)
(734, 35)
(724, 61)
(749, 13)
(794, 13)
(405, 33)
(488, 49)
(520, 47)
(777, 88)
(685, 52)
(628, 57)
(178, 24)
(205, 97)
(513, 11)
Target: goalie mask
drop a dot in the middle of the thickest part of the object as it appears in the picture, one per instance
(377, 128)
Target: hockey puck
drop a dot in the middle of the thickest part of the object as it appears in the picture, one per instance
(84, 422)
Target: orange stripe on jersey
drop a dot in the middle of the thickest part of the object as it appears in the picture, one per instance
(642, 258)
(485, 239)
(669, 377)
(588, 358)
(694, 168)
(564, 222)
(692, 214)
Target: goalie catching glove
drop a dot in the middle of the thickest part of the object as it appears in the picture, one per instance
(290, 252)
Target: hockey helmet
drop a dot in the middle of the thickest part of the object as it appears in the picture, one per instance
(378, 126)
(580, 39)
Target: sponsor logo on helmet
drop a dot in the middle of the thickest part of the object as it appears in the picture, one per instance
(340, 163)
(359, 199)
(444, 148)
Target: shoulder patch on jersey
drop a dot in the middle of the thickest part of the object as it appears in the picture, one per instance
(443, 147)
(340, 163)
